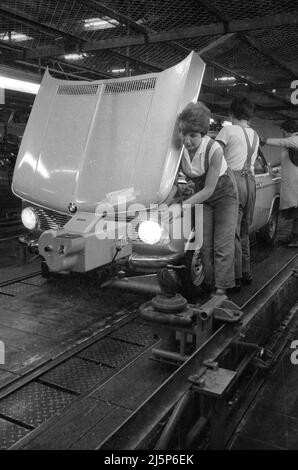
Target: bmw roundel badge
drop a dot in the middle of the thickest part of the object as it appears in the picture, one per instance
(72, 207)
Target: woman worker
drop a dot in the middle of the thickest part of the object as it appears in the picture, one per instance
(240, 143)
(204, 164)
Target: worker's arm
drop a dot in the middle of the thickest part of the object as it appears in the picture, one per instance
(211, 180)
(288, 142)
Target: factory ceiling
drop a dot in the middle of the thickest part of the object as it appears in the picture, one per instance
(249, 47)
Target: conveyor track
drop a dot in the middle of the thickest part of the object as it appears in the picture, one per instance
(111, 369)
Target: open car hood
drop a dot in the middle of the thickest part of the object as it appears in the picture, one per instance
(88, 142)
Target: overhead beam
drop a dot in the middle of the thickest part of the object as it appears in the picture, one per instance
(123, 19)
(234, 26)
(218, 42)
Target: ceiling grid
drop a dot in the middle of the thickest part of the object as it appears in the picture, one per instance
(254, 45)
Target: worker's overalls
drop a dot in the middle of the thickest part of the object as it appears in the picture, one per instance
(246, 185)
(219, 225)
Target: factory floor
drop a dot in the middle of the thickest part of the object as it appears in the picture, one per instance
(41, 320)
(272, 422)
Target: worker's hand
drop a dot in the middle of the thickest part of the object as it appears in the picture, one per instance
(187, 189)
(263, 141)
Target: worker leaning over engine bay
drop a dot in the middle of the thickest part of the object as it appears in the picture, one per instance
(215, 187)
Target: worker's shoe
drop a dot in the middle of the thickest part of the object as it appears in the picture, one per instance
(236, 288)
(220, 291)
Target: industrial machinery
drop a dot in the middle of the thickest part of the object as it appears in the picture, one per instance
(182, 327)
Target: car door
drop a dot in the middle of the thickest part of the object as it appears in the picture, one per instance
(265, 192)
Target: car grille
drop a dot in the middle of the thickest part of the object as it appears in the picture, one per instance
(50, 219)
(133, 230)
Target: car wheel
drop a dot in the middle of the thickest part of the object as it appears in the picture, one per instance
(266, 235)
(192, 276)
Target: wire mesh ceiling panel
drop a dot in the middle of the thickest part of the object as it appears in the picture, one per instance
(244, 60)
(84, 39)
(13, 32)
(162, 15)
(239, 9)
(282, 42)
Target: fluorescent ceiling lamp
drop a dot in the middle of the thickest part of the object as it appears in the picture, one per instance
(75, 56)
(118, 70)
(224, 79)
(14, 36)
(19, 85)
(100, 23)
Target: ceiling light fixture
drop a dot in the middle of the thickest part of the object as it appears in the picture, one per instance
(75, 56)
(100, 23)
(224, 79)
(14, 36)
(19, 85)
(118, 70)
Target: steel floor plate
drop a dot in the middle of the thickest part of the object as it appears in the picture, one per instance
(111, 352)
(34, 403)
(10, 433)
(136, 332)
(77, 374)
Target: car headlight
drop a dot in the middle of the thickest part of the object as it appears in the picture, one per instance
(29, 218)
(150, 232)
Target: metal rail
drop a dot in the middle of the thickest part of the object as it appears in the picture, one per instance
(133, 432)
(19, 279)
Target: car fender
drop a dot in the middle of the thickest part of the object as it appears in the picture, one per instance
(276, 198)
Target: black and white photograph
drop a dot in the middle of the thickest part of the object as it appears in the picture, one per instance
(149, 228)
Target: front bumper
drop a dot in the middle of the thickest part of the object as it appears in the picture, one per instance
(86, 242)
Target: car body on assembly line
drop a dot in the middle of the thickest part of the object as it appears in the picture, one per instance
(97, 173)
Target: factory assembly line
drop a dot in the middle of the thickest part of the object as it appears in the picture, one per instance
(108, 339)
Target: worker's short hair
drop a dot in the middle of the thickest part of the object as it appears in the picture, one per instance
(242, 108)
(289, 125)
(195, 117)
